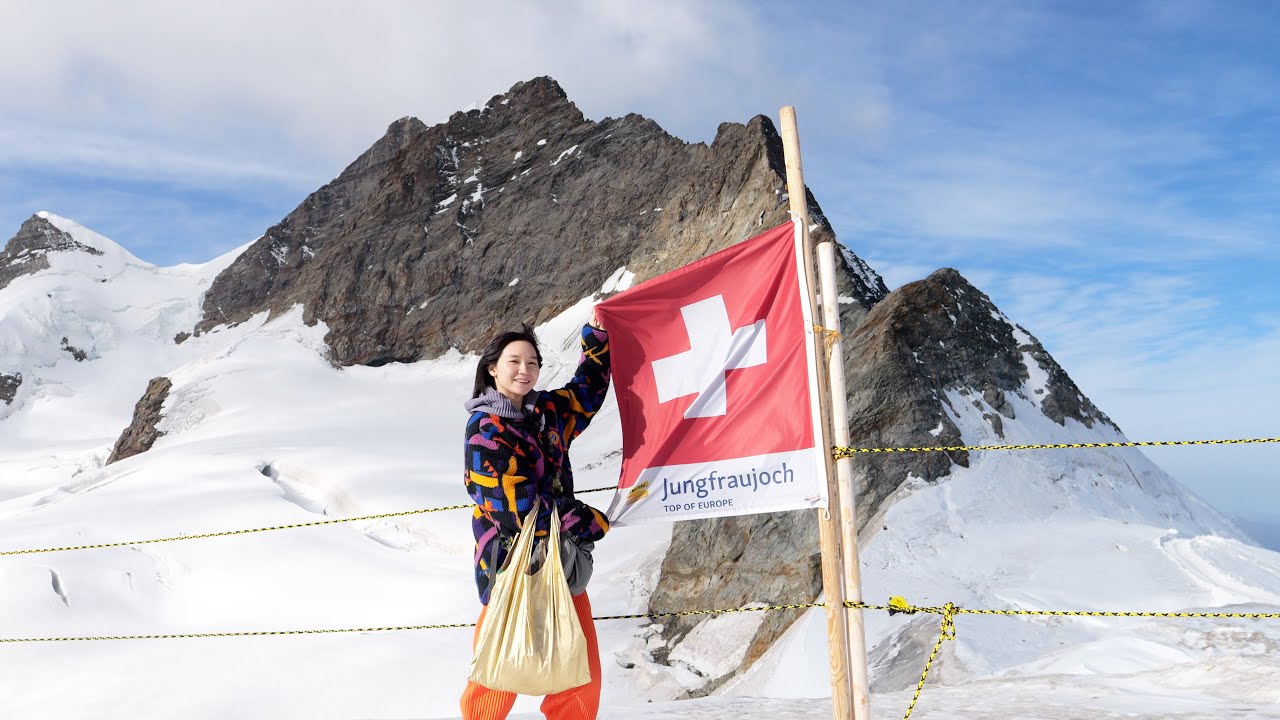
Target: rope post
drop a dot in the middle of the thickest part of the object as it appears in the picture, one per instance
(848, 699)
(839, 410)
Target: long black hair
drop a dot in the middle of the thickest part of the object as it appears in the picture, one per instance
(494, 351)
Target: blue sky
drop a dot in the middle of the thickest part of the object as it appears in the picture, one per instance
(1107, 172)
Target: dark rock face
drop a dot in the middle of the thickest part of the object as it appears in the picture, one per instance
(925, 338)
(730, 562)
(27, 253)
(9, 384)
(141, 433)
(413, 249)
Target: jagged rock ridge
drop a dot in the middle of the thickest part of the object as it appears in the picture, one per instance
(925, 338)
(505, 214)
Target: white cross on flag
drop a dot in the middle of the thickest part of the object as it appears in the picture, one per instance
(714, 371)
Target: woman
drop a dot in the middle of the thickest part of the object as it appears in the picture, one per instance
(517, 450)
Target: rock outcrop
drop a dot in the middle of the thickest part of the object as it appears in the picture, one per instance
(28, 251)
(142, 433)
(926, 338)
(9, 384)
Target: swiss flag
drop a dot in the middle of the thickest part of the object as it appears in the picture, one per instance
(713, 368)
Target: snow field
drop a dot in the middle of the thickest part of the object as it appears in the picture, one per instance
(261, 430)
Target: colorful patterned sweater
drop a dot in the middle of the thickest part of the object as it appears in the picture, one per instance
(516, 454)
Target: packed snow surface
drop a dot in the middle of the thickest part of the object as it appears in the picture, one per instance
(261, 430)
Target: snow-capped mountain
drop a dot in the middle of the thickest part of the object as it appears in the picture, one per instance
(85, 325)
(276, 417)
(261, 429)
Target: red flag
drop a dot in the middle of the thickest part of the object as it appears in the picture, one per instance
(713, 368)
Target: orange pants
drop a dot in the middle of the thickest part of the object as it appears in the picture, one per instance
(580, 703)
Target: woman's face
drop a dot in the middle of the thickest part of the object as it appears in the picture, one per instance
(516, 370)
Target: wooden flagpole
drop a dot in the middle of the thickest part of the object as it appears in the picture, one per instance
(842, 704)
(841, 575)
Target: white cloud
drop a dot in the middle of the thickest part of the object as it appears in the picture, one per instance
(1038, 184)
(326, 77)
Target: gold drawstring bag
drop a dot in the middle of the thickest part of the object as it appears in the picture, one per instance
(530, 641)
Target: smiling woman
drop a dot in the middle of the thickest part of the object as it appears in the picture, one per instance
(518, 472)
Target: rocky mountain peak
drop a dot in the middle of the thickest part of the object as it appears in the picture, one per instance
(535, 97)
(399, 134)
(927, 343)
(948, 335)
(28, 251)
(508, 213)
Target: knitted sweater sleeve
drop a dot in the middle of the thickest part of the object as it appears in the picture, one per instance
(581, 521)
(496, 479)
(579, 401)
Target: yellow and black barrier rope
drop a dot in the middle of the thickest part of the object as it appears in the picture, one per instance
(229, 533)
(248, 531)
(948, 612)
(845, 452)
(239, 634)
(837, 452)
(896, 605)
(400, 628)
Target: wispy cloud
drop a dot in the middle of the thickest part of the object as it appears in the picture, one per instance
(323, 77)
(1106, 174)
(86, 153)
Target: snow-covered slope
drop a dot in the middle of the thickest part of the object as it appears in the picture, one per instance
(262, 430)
(1087, 529)
(116, 313)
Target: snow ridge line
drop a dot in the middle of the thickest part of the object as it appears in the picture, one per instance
(838, 453)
